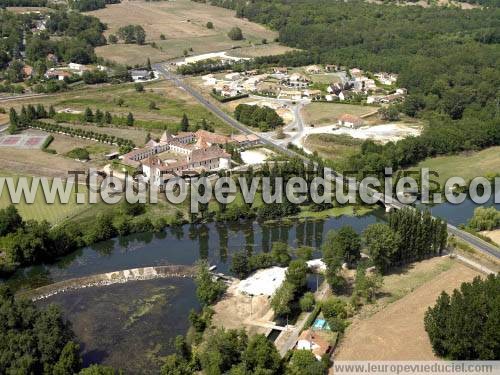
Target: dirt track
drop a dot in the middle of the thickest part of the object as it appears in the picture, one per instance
(397, 332)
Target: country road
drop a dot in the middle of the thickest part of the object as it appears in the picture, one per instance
(470, 239)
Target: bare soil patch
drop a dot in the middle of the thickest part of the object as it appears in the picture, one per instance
(235, 311)
(397, 332)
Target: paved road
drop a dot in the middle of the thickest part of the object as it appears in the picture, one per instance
(178, 81)
(472, 240)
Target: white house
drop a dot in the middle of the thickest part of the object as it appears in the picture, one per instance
(350, 121)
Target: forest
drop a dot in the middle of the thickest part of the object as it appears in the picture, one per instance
(447, 58)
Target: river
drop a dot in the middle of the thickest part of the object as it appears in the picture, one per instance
(131, 325)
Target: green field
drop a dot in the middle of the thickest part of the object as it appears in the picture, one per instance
(466, 165)
(40, 209)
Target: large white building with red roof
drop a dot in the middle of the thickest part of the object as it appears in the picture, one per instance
(195, 153)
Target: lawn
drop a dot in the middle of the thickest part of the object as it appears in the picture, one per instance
(466, 165)
(182, 22)
(40, 209)
(328, 113)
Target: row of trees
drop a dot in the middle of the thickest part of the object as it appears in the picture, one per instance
(422, 236)
(264, 118)
(89, 5)
(31, 242)
(30, 114)
(409, 236)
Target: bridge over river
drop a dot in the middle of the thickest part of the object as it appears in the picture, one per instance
(109, 278)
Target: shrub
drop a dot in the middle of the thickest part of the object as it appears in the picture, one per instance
(307, 302)
(235, 34)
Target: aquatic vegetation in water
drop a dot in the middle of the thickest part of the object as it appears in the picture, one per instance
(142, 307)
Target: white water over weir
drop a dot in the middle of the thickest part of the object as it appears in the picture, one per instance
(109, 278)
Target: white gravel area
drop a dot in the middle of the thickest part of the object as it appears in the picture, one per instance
(256, 155)
(382, 133)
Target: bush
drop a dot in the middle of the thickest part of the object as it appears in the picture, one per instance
(235, 34)
(139, 87)
(79, 153)
(210, 25)
(307, 302)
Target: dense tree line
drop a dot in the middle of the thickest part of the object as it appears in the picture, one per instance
(29, 118)
(422, 236)
(22, 3)
(466, 325)
(88, 5)
(264, 118)
(31, 242)
(428, 47)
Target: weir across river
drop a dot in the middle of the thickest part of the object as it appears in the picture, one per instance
(109, 278)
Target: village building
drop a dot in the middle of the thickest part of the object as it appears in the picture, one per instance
(332, 68)
(245, 140)
(290, 94)
(313, 69)
(386, 78)
(56, 73)
(345, 95)
(350, 121)
(139, 74)
(356, 72)
(309, 340)
(313, 94)
(280, 70)
(296, 80)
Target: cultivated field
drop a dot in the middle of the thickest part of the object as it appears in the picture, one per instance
(467, 165)
(328, 113)
(397, 332)
(182, 22)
